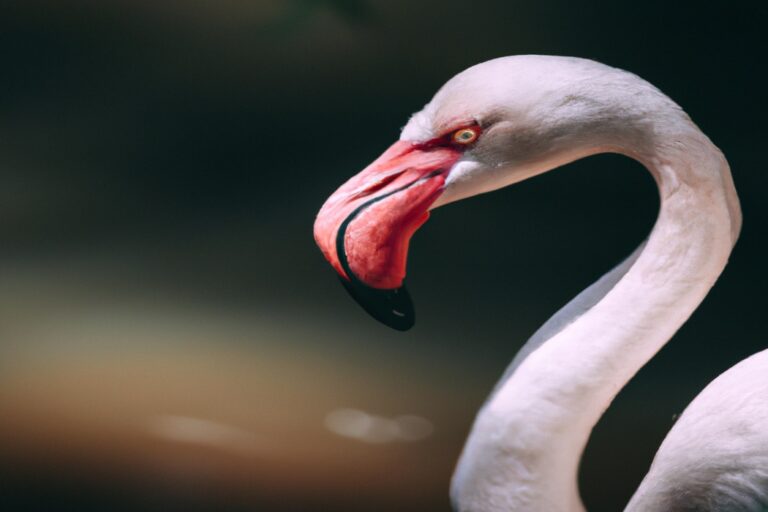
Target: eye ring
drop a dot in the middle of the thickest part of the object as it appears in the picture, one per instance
(464, 136)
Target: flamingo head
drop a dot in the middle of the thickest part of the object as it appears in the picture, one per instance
(489, 126)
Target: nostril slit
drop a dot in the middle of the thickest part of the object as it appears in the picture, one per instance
(372, 189)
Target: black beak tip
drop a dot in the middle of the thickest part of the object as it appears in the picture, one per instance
(393, 308)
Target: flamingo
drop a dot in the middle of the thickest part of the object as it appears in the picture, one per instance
(512, 118)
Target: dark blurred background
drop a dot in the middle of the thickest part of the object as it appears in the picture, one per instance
(170, 337)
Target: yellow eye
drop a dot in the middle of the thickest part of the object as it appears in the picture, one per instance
(465, 136)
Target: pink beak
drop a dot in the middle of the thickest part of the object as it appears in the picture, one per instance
(365, 227)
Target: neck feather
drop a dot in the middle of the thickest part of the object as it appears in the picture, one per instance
(526, 443)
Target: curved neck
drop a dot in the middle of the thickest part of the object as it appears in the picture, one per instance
(523, 452)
